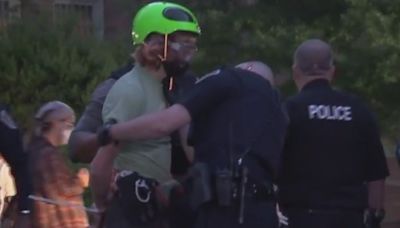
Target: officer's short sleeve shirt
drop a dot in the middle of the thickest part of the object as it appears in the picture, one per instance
(332, 148)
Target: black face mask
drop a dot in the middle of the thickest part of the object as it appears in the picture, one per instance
(175, 68)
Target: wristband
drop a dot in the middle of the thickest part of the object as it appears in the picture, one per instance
(103, 136)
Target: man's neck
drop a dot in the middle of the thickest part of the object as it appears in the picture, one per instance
(308, 79)
(158, 73)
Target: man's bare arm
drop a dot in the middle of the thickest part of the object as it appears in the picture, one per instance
(183, 136)
(153, 125)
(83, 146)
(101, 170)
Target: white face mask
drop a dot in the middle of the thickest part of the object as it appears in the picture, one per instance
(66, 135)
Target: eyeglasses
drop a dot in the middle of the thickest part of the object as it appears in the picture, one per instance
(183, 47)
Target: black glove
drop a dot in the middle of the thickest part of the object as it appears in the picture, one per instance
(374, 217)
(103, 134)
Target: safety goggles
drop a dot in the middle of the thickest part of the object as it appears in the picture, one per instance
(183, 47)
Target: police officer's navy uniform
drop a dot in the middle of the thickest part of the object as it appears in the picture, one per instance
(235, 111)
(331, 151)
(11, 148)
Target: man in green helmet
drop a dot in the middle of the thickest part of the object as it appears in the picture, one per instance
(165, 35)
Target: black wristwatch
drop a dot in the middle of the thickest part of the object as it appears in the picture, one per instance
(103, 135)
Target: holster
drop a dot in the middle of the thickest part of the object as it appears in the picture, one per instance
(224, 187)
(202, 187)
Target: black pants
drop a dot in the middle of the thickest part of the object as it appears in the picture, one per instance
(115, 218)
(308, 218)
(258, 214)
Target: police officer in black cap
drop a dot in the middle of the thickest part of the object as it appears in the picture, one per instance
(334, 165)
(238, 133)
(11, 148)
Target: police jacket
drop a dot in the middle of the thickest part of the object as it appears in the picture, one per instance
(236, 114)
(332, 149)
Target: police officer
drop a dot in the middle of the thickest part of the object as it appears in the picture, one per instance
(11, 148)
(238, 124)
(83, 141)
(334, 165)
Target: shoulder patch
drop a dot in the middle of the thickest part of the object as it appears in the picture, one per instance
(213, 73)
(6, 119)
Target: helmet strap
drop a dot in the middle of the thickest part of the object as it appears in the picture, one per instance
(171, 84)
(164, 57)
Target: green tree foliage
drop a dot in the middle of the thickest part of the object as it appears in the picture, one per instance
(42, 61)
(365, 35)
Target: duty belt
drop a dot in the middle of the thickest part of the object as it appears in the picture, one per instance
(260, 191)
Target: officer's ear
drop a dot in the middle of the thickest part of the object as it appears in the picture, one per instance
(296, 74)
(294, 70)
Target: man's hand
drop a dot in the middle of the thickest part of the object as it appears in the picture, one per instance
(23, 221)
(83, 175)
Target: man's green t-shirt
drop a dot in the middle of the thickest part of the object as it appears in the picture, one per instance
(135, 94)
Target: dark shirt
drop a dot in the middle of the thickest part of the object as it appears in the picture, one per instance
(11, 148)
(182, 86)
(234, 111)
(332, 149)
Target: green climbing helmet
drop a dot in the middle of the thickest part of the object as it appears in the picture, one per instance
(164, 18)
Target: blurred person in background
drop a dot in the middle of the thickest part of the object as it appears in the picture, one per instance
(52, 178)
(11, 149)
(7, 186)
(7, 194)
